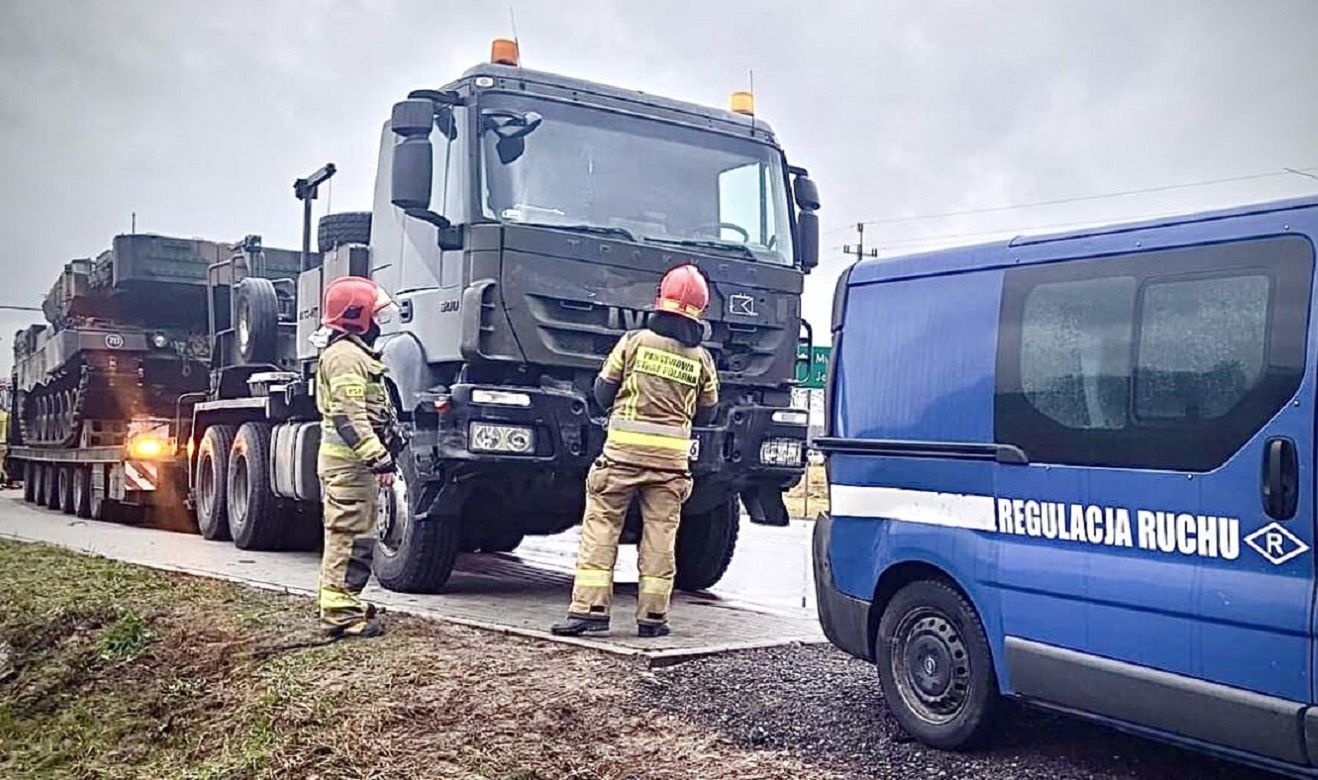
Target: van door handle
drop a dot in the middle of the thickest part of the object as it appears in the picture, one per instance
(1281, 478)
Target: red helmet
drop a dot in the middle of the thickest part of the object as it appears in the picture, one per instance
(350, 303)
(683, 291)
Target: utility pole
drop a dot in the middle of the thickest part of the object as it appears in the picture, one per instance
(859, 249)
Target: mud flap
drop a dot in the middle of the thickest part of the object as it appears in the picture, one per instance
(764, 504)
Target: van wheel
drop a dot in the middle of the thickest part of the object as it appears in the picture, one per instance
(705, 543)
(412, 555)
(254, 517)
(935, 666)
(212, 482)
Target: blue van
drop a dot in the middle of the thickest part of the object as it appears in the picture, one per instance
(1078, 470)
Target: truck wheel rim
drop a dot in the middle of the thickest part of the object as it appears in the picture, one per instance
(238, 501)
(206, 488)
(930, 665)
(392, 516)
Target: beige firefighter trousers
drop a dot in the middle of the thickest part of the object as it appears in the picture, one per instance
(610, 487)
(349, 492)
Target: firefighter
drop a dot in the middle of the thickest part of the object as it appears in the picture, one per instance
(358, 425)
(656, 383)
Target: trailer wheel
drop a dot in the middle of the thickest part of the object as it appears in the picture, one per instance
(412, 555)
(29, 481)
(82, 491)
(349, 227)
(66, 489)
(212, 479)
(705, 543)
(258, 320)
(935, 666)
(51, 482)
(254, 517)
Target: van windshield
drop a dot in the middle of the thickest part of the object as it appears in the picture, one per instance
(583, 168)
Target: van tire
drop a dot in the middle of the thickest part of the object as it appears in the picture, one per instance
(951, 710)
(417, 556)
(348, 227)
(213, 482)
(705, 543)
(254, 517)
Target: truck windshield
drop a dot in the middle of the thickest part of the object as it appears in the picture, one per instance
(582, 168)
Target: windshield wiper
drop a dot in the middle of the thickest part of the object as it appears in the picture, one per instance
(702, 243)
(599, 230)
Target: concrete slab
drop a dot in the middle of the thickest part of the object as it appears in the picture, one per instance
(495, 592)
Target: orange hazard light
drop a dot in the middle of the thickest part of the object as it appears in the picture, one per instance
(504, 52)
(146, 446)
(743, 103)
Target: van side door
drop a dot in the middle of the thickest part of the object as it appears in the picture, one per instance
(1156, 561)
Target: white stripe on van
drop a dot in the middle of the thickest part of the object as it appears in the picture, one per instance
(955, 510)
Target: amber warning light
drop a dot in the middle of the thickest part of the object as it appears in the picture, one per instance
(743, 103)
(504, 52)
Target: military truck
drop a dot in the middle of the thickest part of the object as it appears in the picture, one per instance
(522, 221)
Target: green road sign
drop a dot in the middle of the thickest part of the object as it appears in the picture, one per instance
(811, 375)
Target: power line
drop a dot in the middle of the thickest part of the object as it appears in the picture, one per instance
(1099, 196)
(20, 308)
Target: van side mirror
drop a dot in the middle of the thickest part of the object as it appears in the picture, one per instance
(413, 158)
(807, 239)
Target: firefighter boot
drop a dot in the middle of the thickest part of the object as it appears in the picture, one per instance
(652, 630)
(576, 626)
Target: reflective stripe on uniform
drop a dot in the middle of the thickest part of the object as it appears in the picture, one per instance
(352, 385)
(337, 450)
(650, 440)
(594, 578)
(639, 426)
(369, 450)
(337, 599)
(658, 586)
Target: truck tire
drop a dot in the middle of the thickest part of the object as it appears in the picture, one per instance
(349, 227)
(212, 478)
(66, 489)
(705, 543)
(258, 321)
(929, 624)
(82, 491)
(411, 555)
(254, 517)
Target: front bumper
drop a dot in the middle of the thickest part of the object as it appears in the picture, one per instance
(569, 439)
(845, 619)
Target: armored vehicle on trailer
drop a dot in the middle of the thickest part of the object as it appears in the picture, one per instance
(96, 389)
(522, 221)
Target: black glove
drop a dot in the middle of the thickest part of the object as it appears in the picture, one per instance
(385, 465)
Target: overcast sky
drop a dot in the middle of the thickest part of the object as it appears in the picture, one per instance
(198, 115)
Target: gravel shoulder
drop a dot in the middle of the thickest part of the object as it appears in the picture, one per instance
(824, 706)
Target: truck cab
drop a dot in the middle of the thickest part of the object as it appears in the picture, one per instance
(522, 221)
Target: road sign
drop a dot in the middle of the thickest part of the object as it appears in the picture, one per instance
(811, 375)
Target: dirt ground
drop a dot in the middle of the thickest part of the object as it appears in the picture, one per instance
(817, 485)
(114, 671)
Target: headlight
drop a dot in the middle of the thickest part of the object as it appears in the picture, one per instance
(500, 398)
(781, 452)
(790, 417)
(512, 439)
(159, 340)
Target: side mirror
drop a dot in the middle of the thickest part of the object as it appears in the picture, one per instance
(807, 238)
(413, 159)
(807, 194)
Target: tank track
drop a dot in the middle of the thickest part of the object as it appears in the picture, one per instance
(52, 412)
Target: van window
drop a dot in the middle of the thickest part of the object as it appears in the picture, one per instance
(1167, 359)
